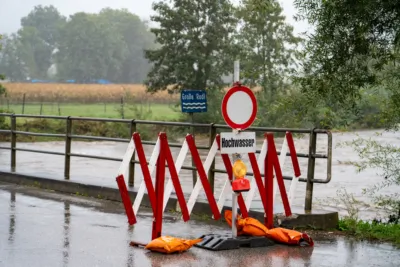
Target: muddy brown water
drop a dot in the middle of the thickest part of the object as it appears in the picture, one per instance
(102, 172)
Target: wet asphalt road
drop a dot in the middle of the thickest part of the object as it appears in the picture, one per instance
(42, 228)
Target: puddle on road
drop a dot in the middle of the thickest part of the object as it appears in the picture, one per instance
(101, 172)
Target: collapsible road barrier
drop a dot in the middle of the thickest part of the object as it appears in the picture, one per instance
(159, 196)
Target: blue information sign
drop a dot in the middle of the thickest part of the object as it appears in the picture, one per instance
(193, 101)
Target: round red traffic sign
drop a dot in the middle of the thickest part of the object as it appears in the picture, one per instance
(239, 107)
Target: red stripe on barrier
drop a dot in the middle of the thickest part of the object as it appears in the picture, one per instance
(257, 176)
(174, 177)
(160, 178)
(228, 167)
(278, 171)
(293, 154)
(269, 186)
(203, 177)
(126, 199)
(145, 171)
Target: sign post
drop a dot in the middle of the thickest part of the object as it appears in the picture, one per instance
(193, 101)
(239, 109)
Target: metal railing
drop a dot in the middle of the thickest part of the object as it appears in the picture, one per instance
(212, 132)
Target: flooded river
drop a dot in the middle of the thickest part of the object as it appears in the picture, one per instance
(102, 172)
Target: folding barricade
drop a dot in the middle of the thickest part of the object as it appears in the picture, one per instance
(159, 195)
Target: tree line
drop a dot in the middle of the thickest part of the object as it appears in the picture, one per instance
(83, 48)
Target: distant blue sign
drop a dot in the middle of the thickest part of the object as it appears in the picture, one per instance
(193, 101)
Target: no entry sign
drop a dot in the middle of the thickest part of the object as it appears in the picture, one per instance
(239, 107)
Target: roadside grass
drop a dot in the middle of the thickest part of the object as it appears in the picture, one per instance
(389, 232)
(152, 111)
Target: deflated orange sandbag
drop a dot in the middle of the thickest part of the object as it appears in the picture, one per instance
(247, 226)
(252, 227)
(290, 237)
(168, 244)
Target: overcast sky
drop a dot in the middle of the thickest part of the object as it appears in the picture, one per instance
(11, 11)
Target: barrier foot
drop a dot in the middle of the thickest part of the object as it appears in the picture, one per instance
(137, 244)
(226, 242)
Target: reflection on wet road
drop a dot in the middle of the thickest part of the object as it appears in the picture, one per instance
(46, 229)
(101, 172)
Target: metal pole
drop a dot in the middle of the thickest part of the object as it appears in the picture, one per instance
(131, 180)
(13, 143)
(194, 172)
(310, 171)
(211, 173)
(67, 163)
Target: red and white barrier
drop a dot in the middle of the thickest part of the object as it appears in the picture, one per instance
(158, 195)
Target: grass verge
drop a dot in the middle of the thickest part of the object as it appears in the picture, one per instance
(150, 111)
(371, 231)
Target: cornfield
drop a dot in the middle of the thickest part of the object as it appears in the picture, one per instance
(84, 93)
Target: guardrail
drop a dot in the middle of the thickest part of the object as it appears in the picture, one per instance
(212, 128)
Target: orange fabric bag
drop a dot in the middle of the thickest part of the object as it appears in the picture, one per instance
(290, 237)
(253, 227)
(247, 226)
(168, 244)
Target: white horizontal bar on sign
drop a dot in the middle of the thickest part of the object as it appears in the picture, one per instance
(198, 185)
(242, 142)
(260, 163)
(152, 167)
(178, 166)
(124, 166)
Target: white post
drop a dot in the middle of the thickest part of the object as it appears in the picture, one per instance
(236, 71)
(234, 214)
(236, 78)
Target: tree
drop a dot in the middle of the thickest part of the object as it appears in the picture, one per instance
(10, 59)
(137, 37)
(108, 45)
(353, 40)
(39, 37)
(268, 55)
(196, 45)
(268, 45)
(47, 20)
(2, 89)
(90, 49)
(35, 53)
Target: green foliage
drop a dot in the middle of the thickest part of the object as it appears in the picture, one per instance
(90, 49)
(2, 77)
(196, 45)
(352, 41)
(47, 20)
(385, 158)
(37, 40)
(11, 63)
(108, 45)
(371, 230)
(268, 46)
(136, 36)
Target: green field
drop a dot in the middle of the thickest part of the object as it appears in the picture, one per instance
(109, 110)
